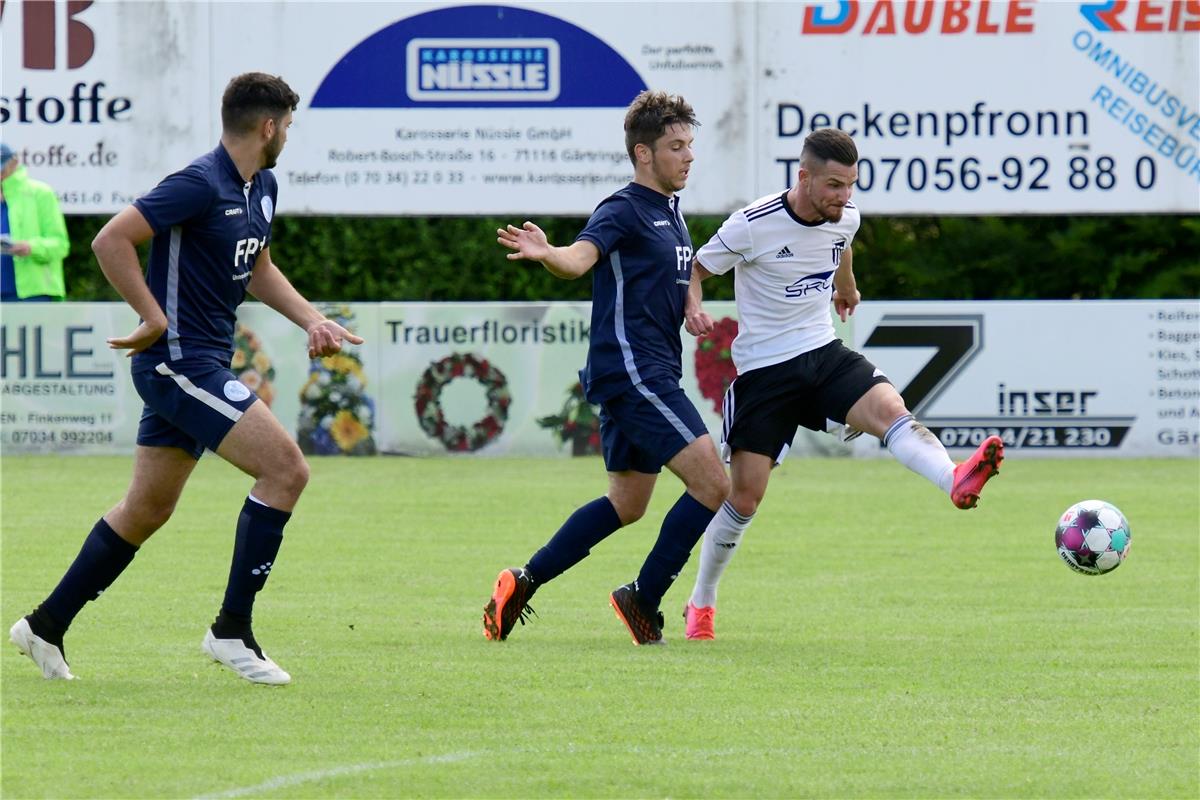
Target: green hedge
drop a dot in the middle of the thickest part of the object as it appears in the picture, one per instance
(898, 258)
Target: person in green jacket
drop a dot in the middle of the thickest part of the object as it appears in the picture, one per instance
(33, 235)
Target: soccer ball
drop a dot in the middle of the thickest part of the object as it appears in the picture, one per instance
(1092, 537)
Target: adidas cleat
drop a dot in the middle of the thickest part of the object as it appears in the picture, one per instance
(48, 657)
(248, 662)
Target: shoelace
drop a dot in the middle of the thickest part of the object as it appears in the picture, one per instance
(525, 614)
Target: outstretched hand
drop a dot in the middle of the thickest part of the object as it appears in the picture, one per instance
(844, 306)
(529, 241)
(325, 338)
(144, 335)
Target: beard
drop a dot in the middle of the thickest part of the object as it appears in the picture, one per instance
(271, 152)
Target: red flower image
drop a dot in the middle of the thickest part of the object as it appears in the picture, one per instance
(714, 361)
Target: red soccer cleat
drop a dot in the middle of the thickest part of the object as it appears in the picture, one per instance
(699, 621)
(972, 474)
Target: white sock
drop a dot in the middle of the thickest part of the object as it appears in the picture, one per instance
(916, 448)
(720, 540)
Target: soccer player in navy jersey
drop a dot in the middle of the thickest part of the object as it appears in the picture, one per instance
(642, 253)
(791, 256)
(211, 229)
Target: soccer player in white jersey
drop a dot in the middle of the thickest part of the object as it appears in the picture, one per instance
(791, 257)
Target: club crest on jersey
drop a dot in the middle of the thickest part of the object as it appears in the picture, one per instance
(810, 284)
(268, 208)
(838, 247)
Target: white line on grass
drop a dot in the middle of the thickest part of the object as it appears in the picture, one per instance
(282, 781)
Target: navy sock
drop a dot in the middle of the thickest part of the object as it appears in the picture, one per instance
(583, 530)
(259, 534)
(103, 557)
(681, 529)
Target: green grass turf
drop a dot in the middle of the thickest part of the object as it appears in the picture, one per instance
(872, 642)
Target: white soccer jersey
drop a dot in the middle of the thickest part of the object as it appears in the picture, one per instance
(784, 278)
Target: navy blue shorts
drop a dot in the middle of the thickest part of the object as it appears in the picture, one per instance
(644, 427)
(190, 404)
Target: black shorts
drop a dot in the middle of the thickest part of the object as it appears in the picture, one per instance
(765, 406)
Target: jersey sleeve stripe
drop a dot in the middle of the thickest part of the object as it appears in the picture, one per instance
(765, 210)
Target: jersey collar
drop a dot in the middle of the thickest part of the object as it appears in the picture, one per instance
(227, 162)
(788, 208)
(652, 196)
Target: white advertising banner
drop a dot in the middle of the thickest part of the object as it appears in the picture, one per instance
(959, 107)
(1057, 378)
(990, 107)
(1118, 378)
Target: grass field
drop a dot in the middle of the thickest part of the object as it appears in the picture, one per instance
(872, 642)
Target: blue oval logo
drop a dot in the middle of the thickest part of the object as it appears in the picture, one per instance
(479, 57)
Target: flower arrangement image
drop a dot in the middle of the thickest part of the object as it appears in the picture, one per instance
(336, 415)
(432, 417)
(578, 423)
(251, 365)
(714, 361)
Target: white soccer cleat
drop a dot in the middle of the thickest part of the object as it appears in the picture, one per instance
(234, 654)
(47, 656)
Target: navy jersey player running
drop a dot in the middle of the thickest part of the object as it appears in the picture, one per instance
(211, 229)
(791, 256)
(639, 245)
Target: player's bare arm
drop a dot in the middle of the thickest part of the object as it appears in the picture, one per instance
(529, 241)
(271, 286)
(845, 290)
(115, 247)
(696, 320)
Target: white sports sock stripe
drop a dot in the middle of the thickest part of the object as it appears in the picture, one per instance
(208, 398)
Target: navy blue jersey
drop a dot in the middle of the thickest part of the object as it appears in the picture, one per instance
(209, 228)
(638, 291)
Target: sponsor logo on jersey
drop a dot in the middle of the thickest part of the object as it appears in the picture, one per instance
(233, 212)
(661, 223)
(479, 57)
(786, 252)
(244, 253)
(810, 284)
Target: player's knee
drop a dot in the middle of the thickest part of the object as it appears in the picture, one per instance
(627, 512)
(745, 501)
(296, 475)
(891, 407)
(140, 518)
(712, 491)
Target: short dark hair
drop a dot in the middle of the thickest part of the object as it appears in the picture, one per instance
(251, 96)
(829, 144)
(650, 114)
